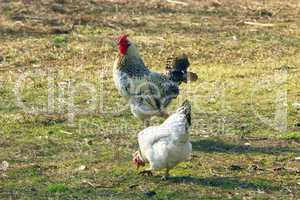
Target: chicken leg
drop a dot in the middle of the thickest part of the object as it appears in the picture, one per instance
(146, 123)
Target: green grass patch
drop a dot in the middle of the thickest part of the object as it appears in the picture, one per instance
(291, 135)
(57, 187)
(59, 39)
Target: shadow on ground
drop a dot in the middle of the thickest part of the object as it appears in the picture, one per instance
(209, 145)
(227, 182)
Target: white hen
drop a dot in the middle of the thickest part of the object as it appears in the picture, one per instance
(166, 145)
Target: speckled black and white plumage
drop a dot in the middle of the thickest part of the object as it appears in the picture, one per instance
(148, 93)
(133, 66)
(177, 68)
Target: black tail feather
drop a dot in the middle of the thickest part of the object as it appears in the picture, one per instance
(177, 69)
(186, 109)
(181, 63)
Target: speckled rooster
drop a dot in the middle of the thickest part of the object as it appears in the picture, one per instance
(148, 93)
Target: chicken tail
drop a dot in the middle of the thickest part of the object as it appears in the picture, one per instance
(177, 69)
(186, 109)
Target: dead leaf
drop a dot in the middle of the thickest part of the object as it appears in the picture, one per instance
(81, 168)
(247, 144)
(4, 166)
(278, 168)
(216, 4)
(255, 167)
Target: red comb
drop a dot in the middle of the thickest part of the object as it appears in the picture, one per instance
(122, 38)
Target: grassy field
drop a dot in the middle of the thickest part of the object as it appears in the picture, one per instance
(66, 133)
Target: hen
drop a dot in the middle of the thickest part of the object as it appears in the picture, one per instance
(166, 145)
(148, 93)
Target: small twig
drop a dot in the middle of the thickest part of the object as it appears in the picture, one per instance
(66, 132)
(259, 24)
(89, 183)
(256, 138)
(178, 2)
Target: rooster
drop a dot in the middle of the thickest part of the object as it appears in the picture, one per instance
(166, 145)
(148, 93)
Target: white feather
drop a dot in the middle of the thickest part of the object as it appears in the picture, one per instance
(166, 145)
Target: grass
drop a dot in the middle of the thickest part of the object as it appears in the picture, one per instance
(59, 39)
(291, 136)
(67, 134)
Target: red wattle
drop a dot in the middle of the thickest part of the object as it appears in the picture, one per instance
(123, 49)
